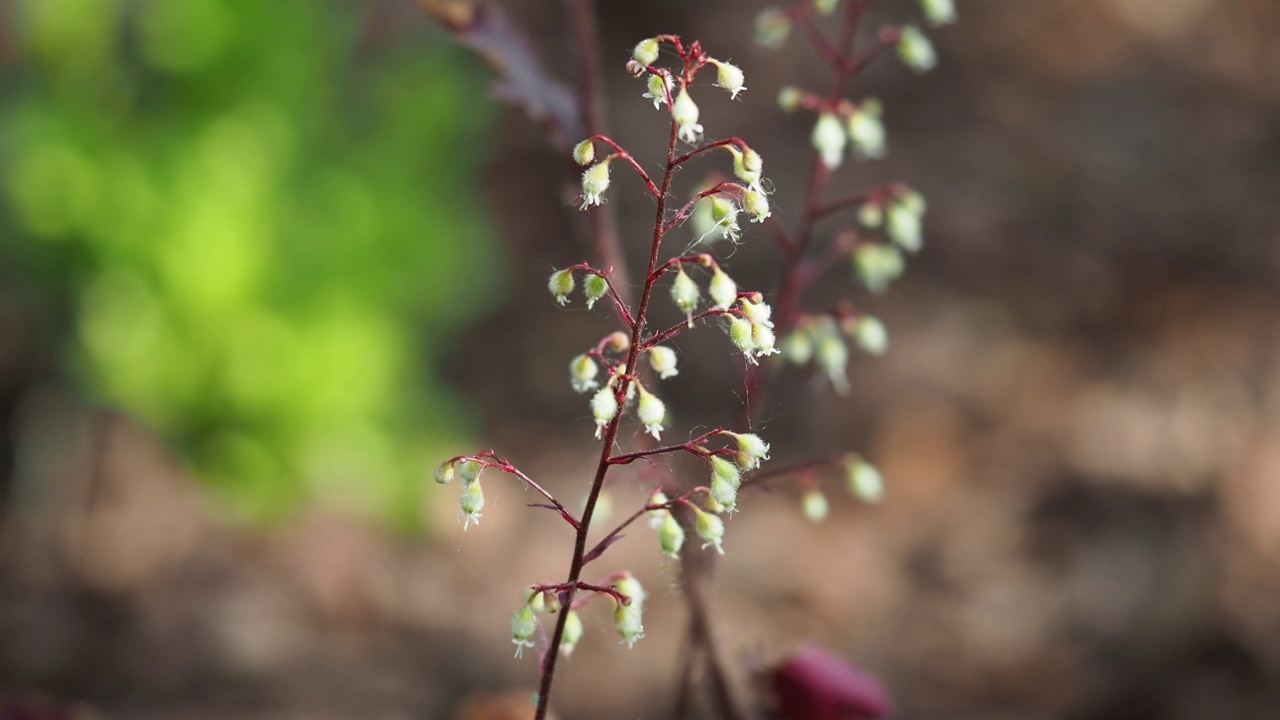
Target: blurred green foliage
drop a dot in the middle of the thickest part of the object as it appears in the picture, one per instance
(262, 215)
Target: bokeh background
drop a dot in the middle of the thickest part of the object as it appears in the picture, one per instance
(263, 264)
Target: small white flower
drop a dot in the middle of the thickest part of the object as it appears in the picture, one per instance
(584, 152)
(915, 50)
(829, 140)
(595, 180)
(722, 289)
(730, 78)
(671, 536)
(594, 287)
(756, 205)
(572, 634)
(939, 12)
(658, 86)
(663, 361)
(472, 503)
(814, 505)
(582, 373)
(523, 626)
(752, 450)
(685, 293)
(710, 528)
(685, 113)
(904, 227)
(604, 407)
(871, 335)
(651, 412)
(866, 131)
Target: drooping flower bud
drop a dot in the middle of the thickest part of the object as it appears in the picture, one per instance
(752, 450)
(939, 12)
(523, 626)
(725, 494)
(772, 28)
(748, 167)
(730, 78)
(710, 528)
(472, 503)
(572, 634)
(646, 52)
(582, 373)
(658, 517)
(469, 472)
(445, 473)
(662, 360)
(671, 536)
(763, 338)
(685, 113)
(814, 505)
(756, 204)
(685, 293)
(870, 215)
(627, 619)
(797, 348)
(595, 180)
(618, 341)
(740, 335)
(560, 285)
(877, 266)
(604, 407)
(865, 481)
(825, 7)
(789, 98)
(867, 131)
(833, 358)
(871, 335)
(829, 139)
(903, 226)
(724, 470)
(722, 289)
(651, 412)
(584, 152)
(759, 313)
(594, 287)
(724, 217)
(915, 50)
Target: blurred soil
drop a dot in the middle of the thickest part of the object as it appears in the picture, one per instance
(1078, 422)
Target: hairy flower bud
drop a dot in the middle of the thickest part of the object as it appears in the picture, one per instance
(582, 373)
(658, 86)
(877, 266)
(752, 450)
(939, 12)
(724, 470)
(685, 293)
(594, 287)
(627, 619)
(710, 528)
(472, 503)
(572, 634)
(730, 78)
(724, 217)
(662, 360)
(658, 517)
(651, 412)
(722, 289)
(740, 335)
(584, 152)
(797, 348)
(445, 473)
(724, 493)
(469, 471)
(595, 180)
(833, 358)
(756, 205)
(671, 536)
(604, 407)
(748, 167)
(685, 113)
(915, 50)
(646, 52)
(903, 226)
(759, 313)
(523, 625)
(829, 139)
(560, 285)
(772, 28)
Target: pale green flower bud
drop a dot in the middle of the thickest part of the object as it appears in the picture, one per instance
(740, 335)
(662, 360)
(756, 205)
(759, 313)
(867, 131)
(671, 536)
(658, 517)
(724, 493)
(725, 470)
(871, 335)
(594, 287)
(595, 180)
(572, 634)
(523, 625)
(604, 407)
(469, 471)
(560, 285)
(878, 265)
(939, 12)
(723, 214)
(797, 348)
(657, 91)
(618, 341)
(582, 373)
(752, 450)
(646, 52)
(772, 28)
(763, 338)
(789, 98)
(870, 215)
(865, 481)
(651, 412)
(730, 78)
(829, 139)
(584, 152)
(748, 166)
(825, 7)
(903, 226)
(814, 505)
(833, 358)
(685, 293)
(445, 473)
(627, 619)
(915, 50)
(722, 289)
(685, 113)
(710, 528)
(472, 503)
